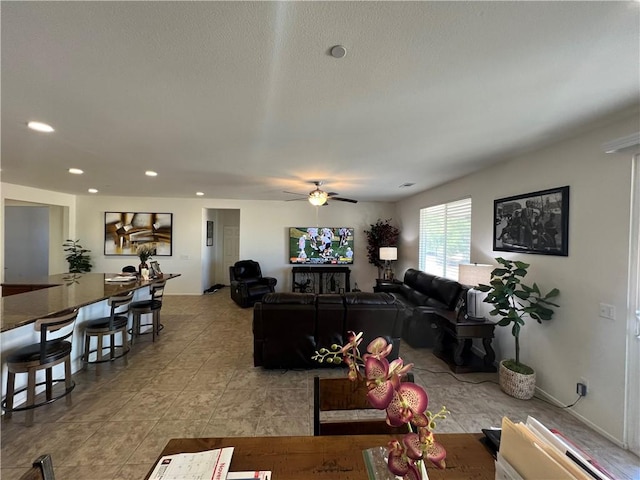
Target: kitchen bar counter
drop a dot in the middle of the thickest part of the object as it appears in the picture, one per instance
(63, 291)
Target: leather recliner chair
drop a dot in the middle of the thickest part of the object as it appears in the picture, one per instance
(248, 286)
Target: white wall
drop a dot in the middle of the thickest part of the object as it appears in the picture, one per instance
(263, 234)
(576, 343)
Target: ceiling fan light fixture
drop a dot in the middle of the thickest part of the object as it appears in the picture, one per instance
(317, 197)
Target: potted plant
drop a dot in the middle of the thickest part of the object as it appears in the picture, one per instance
(79, 261)
(513, 301)
(381, 234)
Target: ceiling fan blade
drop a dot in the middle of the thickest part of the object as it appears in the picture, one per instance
(332, 194)
(296, 193)
(295, 199)
(350, 200)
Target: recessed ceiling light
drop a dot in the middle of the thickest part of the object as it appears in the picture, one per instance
(199, 194)
(338, 51)
(76, 171)
(93, 190)
(151, 173)
(40, 127)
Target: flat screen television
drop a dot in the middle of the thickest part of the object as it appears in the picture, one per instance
(321, 245)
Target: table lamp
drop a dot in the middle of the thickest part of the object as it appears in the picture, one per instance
(388, 254)
(472, 275)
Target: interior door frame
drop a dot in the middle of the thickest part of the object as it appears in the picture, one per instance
(632, 414)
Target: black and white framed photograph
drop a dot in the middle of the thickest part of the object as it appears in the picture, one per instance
(535, 222)
(209, 233)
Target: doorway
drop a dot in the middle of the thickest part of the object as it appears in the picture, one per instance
(224, 250)
(26, 242)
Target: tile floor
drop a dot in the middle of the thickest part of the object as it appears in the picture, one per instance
(198, 380)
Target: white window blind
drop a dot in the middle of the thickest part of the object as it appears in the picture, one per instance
(445, 238)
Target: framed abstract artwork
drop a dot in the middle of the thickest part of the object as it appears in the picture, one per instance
(125, 231)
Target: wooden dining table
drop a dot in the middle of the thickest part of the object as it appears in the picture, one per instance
(335, 457)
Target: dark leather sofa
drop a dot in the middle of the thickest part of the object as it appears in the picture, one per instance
(289, 327)
(419, 294)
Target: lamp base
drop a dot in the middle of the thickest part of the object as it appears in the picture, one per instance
(388, 273)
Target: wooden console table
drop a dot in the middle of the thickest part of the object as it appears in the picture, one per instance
(454, 339)
(335, 457)
(321, 279)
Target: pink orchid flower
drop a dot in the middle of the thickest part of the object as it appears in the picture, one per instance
(408, 401)
(378, 348)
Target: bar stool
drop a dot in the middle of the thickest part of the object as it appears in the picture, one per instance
(110, 326)
(56, 334)
(152, 306)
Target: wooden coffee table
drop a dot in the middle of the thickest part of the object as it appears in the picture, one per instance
(335, 457)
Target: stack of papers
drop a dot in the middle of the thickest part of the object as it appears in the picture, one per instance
(207, 465)
(121, 278)
(532, 451)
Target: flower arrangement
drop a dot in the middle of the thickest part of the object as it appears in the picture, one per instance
(144, 251)
(404, 402)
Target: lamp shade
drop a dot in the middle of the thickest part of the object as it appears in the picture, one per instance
(473, 274)
(388, 253)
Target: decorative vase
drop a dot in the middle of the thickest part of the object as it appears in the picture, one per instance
(141, 266)
(517, 385)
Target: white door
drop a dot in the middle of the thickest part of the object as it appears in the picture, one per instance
(231, 249)
(633, 368)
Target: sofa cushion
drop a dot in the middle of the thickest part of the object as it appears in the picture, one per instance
(447, 291)
(290, 298)
(435, 303)
(368, 298)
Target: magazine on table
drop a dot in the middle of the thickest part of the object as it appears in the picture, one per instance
(207, 465)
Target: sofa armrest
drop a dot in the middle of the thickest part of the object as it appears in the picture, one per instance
(270, 281)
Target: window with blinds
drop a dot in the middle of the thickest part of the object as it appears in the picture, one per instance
(445, 238)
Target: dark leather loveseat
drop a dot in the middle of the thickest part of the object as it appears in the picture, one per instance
(289, 327)
(419, 294)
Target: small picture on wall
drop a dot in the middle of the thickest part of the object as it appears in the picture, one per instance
(209, 234)
(535, 222)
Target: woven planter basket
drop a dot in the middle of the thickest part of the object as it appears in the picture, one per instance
(516, 384)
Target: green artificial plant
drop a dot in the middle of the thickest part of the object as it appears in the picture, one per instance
(79, 261)
(381, 234)
(513, 301)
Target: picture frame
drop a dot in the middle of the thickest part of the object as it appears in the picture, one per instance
(154, 269)
(125, 231)
(536, 222)
(209, 233)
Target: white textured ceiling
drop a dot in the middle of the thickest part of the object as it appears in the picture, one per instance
(243, 100)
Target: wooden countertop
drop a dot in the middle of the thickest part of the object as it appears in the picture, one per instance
(68, 290)
(336, 457)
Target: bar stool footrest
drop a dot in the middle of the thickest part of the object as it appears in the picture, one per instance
(54, 381)
(108, 358)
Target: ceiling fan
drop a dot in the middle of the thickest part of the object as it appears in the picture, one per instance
(319, 197)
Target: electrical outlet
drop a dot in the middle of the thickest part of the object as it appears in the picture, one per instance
(582, 387)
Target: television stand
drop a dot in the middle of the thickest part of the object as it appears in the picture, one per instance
(321, 279)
